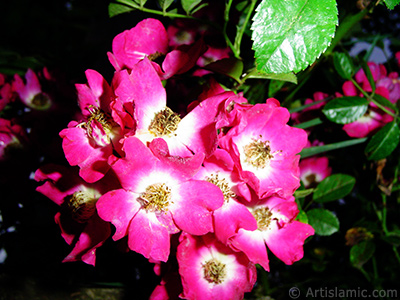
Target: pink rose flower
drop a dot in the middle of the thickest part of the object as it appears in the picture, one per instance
(265, 150)
(12, 137)
(159, 198)
(211, 270)
(193, 133)
(276, 230)
(79, 222)
(149, 39)
(30, 92)
(89, 143)
(219, 169)
(313, 170)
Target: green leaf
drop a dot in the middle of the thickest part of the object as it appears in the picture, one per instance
(231, 67)
(343, 65)
(303, 193)
(345, 109)
(141, 3)
(274, 87)
(323, 221)
(333, 188)
(198, 8)
(385, 102)
(189, 5)
(164, 4)
(367, 71)
(302, 217)
(361, 253)
(310, 151)
(308, 124)
(117, 8)
(289, 77)
(383, 142)
(288, 36)
(391, 3)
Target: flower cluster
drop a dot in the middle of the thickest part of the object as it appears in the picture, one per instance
(213, 186)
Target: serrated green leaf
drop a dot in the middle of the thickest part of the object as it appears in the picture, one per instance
(361, 253)
(288, 36)
(345, 109)
(116, 9)
(141, 3)
(391, 3)
(189, 5)
(231, 67)
(333, 188)
(164, 4)
(343, 65)
(323, 221)
(383, 142)
(289, 77)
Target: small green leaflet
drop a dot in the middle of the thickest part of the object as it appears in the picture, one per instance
(141, 3)
(289, 35)
(343, 65)
(345, 109)
(189, 5)
(164, 4)
(385, 102)
(289, 77)
(391, 3)
(383, 142)
(333, 188)
(361, 253)
(323, 221)
(117, 8)
(231, 67)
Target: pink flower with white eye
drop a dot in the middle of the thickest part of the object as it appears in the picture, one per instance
(313, 170)
(219, 169)
(12, 137)
(179, 34)
(265, 150)
(276, 230)
(195, 132)
(159, 198)
(30, 92)
(149, 39)
(79, 222)
(211, 270)
(89, 143)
